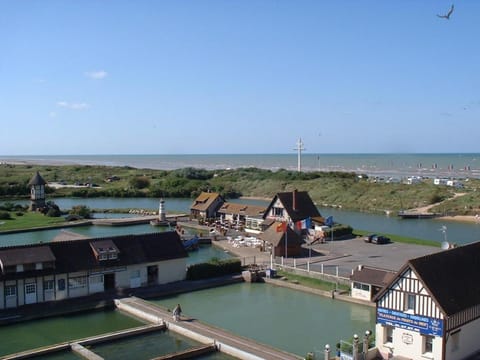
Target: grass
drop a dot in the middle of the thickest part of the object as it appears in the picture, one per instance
(400, 239)
(29, 220)
(312, 282)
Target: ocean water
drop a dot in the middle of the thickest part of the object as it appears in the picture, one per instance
(394, 165)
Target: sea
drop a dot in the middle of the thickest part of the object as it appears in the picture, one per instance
(461, 165)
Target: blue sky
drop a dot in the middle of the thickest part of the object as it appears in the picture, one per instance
(181, 77)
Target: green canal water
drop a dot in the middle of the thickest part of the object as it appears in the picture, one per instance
(290, 320)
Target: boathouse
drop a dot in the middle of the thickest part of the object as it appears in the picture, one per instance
(431, 308)
(60, 270)
(206, 205)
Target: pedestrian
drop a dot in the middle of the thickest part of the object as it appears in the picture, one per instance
(177, 312)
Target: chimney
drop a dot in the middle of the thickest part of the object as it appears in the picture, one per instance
(294, 200)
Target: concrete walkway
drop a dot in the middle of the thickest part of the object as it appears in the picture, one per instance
(226, 342)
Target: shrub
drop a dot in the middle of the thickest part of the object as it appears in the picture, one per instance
(5, 215)
(213, 268)
(81, 210)
(140, 182)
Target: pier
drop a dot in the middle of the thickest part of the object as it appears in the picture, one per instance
(224, 341)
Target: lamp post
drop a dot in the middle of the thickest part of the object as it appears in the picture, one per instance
(366, 339)
(327, 352)
(355, 347)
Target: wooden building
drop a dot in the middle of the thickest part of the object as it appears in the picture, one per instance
(431, 308)
(283, 240)
(291, 207)
(247, 216)
(53, 271)
(206, 205)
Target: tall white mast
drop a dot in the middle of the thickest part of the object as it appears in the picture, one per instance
(299, 149)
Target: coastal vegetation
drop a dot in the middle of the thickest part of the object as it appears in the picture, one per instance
(349, 191)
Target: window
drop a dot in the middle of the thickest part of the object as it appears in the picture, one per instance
(360, 286)
(96, 279)
(427, 344)
(112, 256)
(410, 302)
(388, 334)
(77, 282)
(10, 290)
(277, 212)
(61, 284)
(135, 274)
(49, 285)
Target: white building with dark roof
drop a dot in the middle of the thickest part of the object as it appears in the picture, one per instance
(431, 308)
(60, 270)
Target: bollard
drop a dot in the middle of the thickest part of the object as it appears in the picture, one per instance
(355, 347)
(327, 352)
(365, 343)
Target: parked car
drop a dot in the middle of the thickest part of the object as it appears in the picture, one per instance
(380, 239)
(368, 238)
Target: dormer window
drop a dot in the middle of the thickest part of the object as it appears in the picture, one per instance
(104, 250)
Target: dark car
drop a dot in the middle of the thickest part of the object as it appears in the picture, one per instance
(368, 238)
(380, 239)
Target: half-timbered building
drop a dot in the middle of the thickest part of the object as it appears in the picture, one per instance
(61, 270)
(431, 308)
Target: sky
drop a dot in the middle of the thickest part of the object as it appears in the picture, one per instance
(238, 76)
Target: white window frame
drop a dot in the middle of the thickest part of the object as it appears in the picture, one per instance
(410, 303)
(49, 285)
(77, 282)
(10, 291)
(388, 339)
(427, 344)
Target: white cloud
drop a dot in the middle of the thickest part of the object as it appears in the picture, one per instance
(72, 106)
(96, 75)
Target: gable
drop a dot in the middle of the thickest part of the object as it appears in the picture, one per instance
(297, 204)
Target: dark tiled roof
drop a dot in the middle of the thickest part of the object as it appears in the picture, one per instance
(373, 276)
(304, 206)
(77, 255)
(26, 255)
(37, 180)
(451, 276)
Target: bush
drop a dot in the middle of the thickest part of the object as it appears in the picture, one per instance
(214, 268)
(140, 182)
(5, 215)
(81, 210)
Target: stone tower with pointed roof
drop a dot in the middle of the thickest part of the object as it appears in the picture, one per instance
(37, 192)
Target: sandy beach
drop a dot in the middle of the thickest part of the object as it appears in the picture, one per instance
(462, 218)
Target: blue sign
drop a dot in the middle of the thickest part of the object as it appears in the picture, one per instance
(422, 324)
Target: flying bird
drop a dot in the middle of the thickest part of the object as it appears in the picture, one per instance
(447, 15)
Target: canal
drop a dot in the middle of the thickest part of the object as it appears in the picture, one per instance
(263, 312)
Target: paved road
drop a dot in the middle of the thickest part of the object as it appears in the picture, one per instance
(346, 254)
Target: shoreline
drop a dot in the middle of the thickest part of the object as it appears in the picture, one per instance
(461, 218)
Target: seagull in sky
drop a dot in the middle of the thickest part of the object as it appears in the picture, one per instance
(447, 16)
